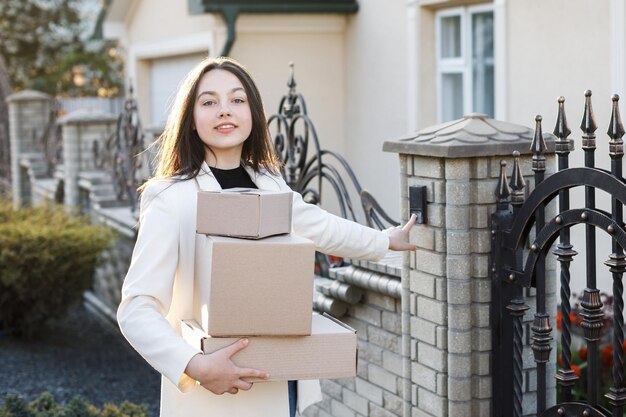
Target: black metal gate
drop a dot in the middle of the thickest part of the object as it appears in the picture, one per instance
(518, 261)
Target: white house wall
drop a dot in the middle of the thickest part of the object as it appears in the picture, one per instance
(562, 47)
(376, 96)
(558, 47)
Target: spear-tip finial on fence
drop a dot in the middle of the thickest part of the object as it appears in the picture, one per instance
(517, 179)
(291, 81)
(538, 148)
(517, 183)
(561, 130)
(289, 103)
(538, 145)
(588, 124)
(503, 192)
(616, 128)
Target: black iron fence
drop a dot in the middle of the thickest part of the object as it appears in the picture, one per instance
(121, 153)
(513, 269)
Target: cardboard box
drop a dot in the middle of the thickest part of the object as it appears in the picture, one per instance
(329, 352)
(254, 287)
(244, 212)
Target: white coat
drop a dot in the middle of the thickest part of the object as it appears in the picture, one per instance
(158, 292)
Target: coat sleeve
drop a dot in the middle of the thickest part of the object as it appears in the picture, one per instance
(335, 235)
(147, 290)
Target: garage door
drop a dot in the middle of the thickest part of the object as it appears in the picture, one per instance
(165, 75)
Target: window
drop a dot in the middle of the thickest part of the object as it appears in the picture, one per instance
(465, 62)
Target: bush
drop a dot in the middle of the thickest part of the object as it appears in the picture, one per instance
(47, 260)
(46, 406)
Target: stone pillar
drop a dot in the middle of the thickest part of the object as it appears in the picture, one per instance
(81, 129)
(29, 115)
(449, 290)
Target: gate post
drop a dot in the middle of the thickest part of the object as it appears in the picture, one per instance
(81, 130)
(29, 113)
(449, 289)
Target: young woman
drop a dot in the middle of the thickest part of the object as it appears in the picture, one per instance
(216, 137)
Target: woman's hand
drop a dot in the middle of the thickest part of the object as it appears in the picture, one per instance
(399, 235)
(217, 373)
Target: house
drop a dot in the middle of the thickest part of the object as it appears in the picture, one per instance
(376, 70)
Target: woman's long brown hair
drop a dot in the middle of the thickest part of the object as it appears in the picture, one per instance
(182, 152)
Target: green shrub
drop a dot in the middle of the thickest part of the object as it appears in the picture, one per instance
(47, 260)
(46, 406)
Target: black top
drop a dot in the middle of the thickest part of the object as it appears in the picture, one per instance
(233, 178)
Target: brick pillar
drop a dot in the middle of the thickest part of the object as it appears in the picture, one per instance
(449, 291)
(29, 114)
(80, 130)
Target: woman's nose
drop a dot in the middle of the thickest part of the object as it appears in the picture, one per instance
(224, 111)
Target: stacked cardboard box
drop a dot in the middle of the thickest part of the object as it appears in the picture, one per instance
(254, 279)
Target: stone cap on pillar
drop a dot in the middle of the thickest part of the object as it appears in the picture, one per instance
(82, 116)
(29, 95)
(473, 135)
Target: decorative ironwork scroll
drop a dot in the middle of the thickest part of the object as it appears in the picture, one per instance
(307, 167)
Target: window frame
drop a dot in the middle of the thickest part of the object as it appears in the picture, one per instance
(463, 64)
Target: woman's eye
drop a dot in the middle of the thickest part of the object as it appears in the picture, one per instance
(208, 103)
(239, 100)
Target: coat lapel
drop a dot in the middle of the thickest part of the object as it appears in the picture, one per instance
(206, 179)
(262, 179)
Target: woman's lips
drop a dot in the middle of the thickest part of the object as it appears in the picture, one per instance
(225, 127)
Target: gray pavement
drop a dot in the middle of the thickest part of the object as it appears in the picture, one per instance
(82, 355)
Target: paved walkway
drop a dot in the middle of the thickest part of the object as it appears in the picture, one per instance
(81, 356)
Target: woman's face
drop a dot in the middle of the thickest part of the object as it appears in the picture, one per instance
(222, 116)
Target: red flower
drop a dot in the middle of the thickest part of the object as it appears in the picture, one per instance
(576, 369)
(572, 318)
(560, 360)
(582, 353)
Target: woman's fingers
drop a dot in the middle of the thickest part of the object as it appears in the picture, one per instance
(239, 384)
(399, 236)
(242, 373)
(235, 347)
(219, 374)
(243, 385)
(252, 373)
(409, 225)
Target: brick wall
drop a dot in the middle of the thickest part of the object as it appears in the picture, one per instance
(378, 388)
